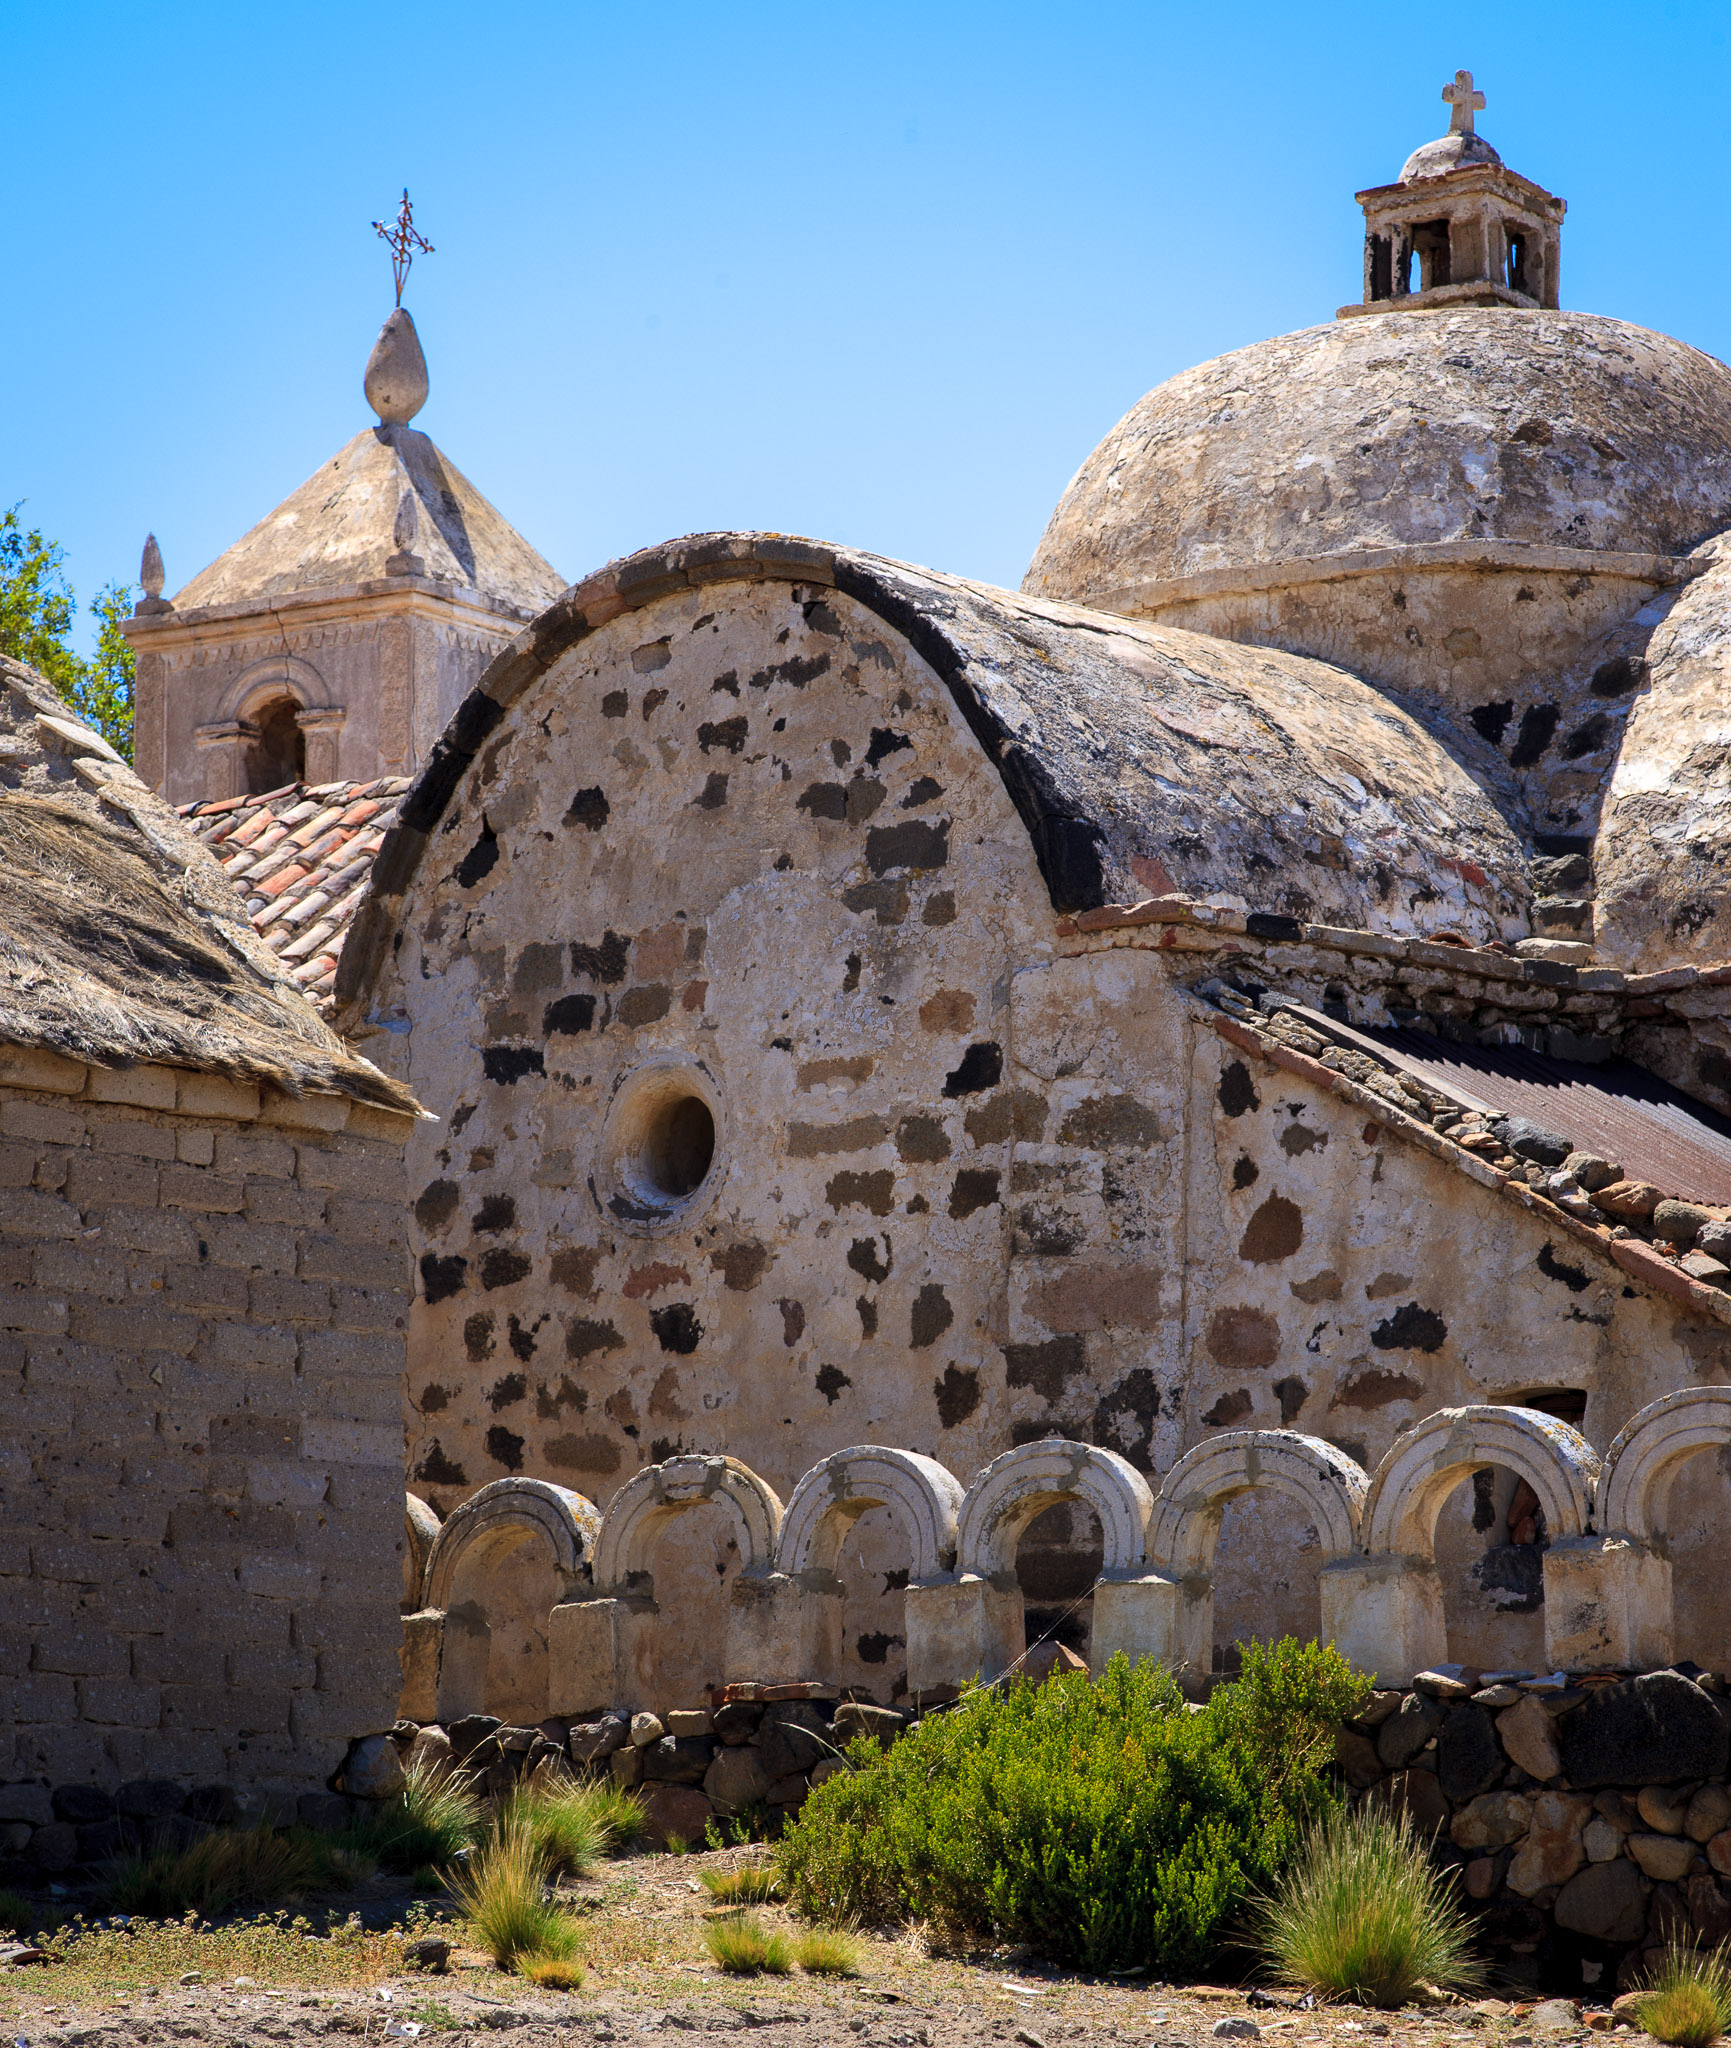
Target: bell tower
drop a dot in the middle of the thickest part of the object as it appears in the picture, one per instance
(1460, 228)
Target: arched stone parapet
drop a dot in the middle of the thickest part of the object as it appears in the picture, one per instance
(474, 1540)
(1635, 1484)
(1383, 1608)
(1023, 1483)
(501, 1516)
(1327, 1485)
(924, 1496)
(642, 1508)
(1425, 1465)
(420, 1533)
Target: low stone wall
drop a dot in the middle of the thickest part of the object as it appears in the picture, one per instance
(760, 1748)
(1588, 1821)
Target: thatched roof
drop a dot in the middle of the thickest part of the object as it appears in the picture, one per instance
(120, 939)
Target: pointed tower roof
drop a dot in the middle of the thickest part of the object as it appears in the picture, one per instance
(390, 503)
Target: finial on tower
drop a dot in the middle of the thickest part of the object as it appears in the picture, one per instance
(150, 577)
(404, 238)
(396, 377)
(1460, 96)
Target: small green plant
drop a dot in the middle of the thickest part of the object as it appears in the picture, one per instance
(828, 1953)
(1363, 1913)
(1686, 2001)
(503, 1897)
(259, 1867)
(677, 1845)
(553, 1973)
(754, 1884)
(753, 1823)
(435, 1814)
(745, 1948)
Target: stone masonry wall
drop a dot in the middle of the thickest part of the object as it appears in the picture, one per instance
(203, 1304)
(1588, 1824)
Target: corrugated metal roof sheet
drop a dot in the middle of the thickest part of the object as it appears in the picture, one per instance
(1618, 1110)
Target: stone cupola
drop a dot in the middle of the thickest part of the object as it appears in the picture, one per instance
(1460, 228)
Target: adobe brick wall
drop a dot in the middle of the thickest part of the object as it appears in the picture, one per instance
(203, 1304)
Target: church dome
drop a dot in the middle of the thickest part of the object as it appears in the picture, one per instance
(1451, 152)
(1535, 429)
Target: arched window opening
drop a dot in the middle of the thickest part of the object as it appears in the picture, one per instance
(874, 1566)
(279, 753)
(1490, 1549)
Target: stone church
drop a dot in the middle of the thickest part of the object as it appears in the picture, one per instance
(1266, 975)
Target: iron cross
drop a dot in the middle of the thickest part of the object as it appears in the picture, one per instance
(1460, 97)
(404, 239)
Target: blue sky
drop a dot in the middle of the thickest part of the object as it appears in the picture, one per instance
(880, 274)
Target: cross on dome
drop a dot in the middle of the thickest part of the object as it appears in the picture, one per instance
(1460, 96)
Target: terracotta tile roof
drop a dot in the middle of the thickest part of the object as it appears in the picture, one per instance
(299, 858)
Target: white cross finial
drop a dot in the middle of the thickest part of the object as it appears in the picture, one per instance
(1464, 101)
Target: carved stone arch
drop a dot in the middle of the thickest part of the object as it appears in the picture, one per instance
(1635, 1484)
(642, 1508)
(505, 1514)
(1326, 1484)
(924, 1496)
(1424, 1466)
(271, 676)
(1023, 1483)
(420, 1533)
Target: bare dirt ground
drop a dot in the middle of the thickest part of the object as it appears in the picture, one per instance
(649, 1978)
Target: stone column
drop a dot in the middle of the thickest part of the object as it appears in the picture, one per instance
(224, 749)
(422, 1636)
(779, 1630)
(1384, 1614)
(589, 1657)
(960, 1630)
(322, 726)
(1168, 1620)
(1607, 1601)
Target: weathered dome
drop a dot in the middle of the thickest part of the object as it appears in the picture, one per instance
(1396, 431)
(1451, 152)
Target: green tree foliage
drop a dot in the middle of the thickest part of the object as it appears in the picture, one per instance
(1098, 1820)
(37, 611)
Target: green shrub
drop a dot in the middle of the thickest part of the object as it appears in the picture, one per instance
(1363, 1913)
(1686, 2001)
(435, 1814)
(745, 1949)
(1098, 1821)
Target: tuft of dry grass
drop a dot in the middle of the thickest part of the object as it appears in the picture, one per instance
(828, 1953)
(752, 1884)
(1686, 2002)
(230, 1868)
(745, 1948)
(1363, 1913)
(503, 1896)
(552, 1973)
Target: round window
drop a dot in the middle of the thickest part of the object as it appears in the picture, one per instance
(660, 1144)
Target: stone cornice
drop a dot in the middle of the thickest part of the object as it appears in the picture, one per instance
(1514, 557)
(382, 597)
